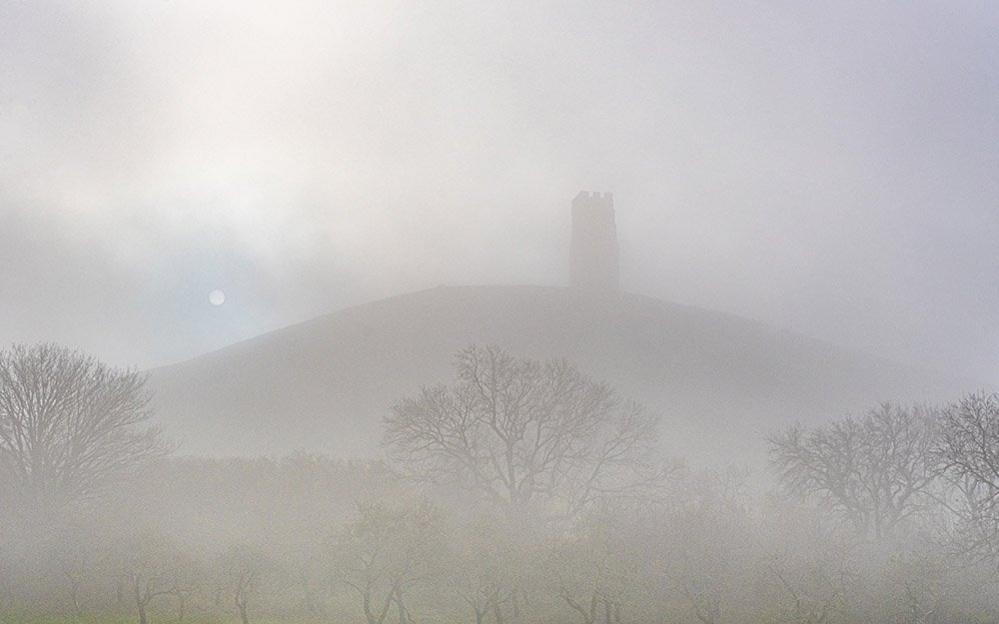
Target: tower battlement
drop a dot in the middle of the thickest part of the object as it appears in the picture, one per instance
(593, 196)
(594, 251)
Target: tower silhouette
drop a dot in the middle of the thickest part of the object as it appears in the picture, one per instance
(594, 253)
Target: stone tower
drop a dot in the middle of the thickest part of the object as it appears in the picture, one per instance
(594, 254)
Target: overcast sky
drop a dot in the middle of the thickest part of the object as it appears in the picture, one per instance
(830, 170)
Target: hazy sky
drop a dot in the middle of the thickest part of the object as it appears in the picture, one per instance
(831, 170)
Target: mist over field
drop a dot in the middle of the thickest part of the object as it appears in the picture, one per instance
(509, 313)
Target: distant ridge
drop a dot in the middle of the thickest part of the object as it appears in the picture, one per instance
(720, 382)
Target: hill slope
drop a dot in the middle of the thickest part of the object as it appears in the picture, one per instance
(719, 381)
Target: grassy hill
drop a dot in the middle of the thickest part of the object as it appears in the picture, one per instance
(720, 382)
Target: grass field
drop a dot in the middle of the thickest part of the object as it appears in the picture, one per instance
(24, 618)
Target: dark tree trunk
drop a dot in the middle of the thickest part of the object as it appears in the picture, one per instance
(75, 596)
(241, 607)
(402, 611)
(140, 601)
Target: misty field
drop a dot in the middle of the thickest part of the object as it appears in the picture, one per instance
(517, 491)
(14, 618)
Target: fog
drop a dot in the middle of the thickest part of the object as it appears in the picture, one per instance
(827, 170)
(307, 312)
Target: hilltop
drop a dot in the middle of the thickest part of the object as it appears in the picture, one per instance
(720, 382)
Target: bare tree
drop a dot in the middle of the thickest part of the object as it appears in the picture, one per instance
(385, 553)
(241, 570)
(596, 567)
(148, 566)
(876, 472)
(706, 543)
(968, 451)
(522, 433)
(482, 567)
(68, 425)
(492, 568)
(809, 563)
(74, 564)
